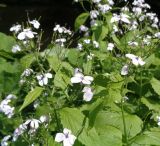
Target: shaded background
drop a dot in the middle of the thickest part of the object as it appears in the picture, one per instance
(63, 12)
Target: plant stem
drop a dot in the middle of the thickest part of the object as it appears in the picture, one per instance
(124, 124)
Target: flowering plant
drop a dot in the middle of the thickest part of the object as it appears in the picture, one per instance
(103, 92)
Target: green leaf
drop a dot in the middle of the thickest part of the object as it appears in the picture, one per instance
(54, 62)
(87, 67)
(73, 56)
(94, 110)
(109, 135)
(100, 33)
(61, 80)
(148, 138)
(155, 85)
(151, 104)
(7, 42)
(80, 20)
(27, 60)
(133, 123)
(74, 120)
(31, 96)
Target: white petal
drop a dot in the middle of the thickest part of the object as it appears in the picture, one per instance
(135, 61)
(21, 36)
(59, 137)
(45, 80)
(124, 70)
(88, 78)
(87, 96)
(72, 139)
(48, 75)
(125, 20)
(29, 34)
(66, 131)
(66, 142)
(86, 89)
(41, 82)
(141, 62)
(76, 80)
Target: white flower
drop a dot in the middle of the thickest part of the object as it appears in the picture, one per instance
(11, 96)
(90, 56)
(18, 131)
(96, 1)
(15, 28)
(58, 28)
(137, 10)
(158, 120)
(157, 35)
(6, 109)
(96, 44)
(115, 28)
(4, 140)
(27, 72)
(94, 14)
(80, 46)
(111, 2)
(122, 17)
(87, 41)
(35, 23)
(33, 123)
(110, 46)
(16, 48)
(61, 41)
(135, 59)
(88, 94)
(124, 70)
(43, 79)
(66, 137)
(130, 43)
(83, 28)
(43, 119)
(104, 8)
(26, 34)
(80, 78)
(36, 103)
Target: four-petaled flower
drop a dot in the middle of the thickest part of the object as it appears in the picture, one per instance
(35, 23)
(135, 59)
(43, 79)
(26, 34)
(80, 78)
(66, 137)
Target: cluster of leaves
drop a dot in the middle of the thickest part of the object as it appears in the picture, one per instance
(124, 108)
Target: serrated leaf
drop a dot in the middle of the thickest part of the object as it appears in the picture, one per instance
(80, 20)
(74, 120)
(100, 33)
(54, 62)
(133, 122)
(87, 67)
(155, 85)
(31, 96)
(61, 80)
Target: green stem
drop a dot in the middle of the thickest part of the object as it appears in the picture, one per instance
(124, 124)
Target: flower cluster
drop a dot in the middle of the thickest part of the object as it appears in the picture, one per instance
(5, 107)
